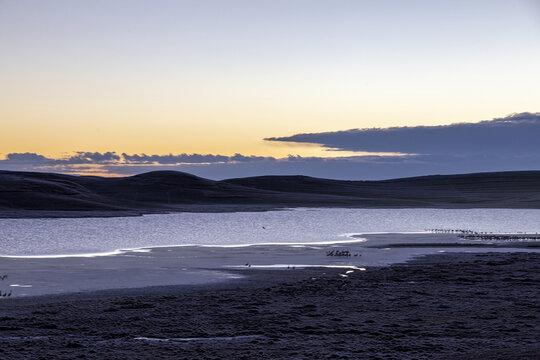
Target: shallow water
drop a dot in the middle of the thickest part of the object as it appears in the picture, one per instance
(101, 235)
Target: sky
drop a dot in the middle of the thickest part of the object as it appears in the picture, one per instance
(225, 88)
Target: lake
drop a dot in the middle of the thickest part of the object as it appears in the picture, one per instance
(100, 235)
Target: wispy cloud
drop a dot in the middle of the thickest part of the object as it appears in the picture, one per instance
(213, 166)
(112, 158)
(189, 159)
(111, 163)
(77, 158)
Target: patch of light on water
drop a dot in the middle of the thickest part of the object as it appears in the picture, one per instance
(296, 266)
(57, 256)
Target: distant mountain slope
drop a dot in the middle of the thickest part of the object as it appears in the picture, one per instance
(154, 190)
(42, 191)
(497, 189)
(175, 191)
(170, 187)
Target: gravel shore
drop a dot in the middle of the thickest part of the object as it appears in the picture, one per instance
(446, 306)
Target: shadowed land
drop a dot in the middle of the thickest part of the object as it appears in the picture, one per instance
(27, 194)
(451, 306)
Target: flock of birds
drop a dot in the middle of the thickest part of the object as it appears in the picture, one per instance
(484, 235)
(346, 253)
(453, 231)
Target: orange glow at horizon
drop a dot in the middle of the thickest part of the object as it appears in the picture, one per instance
(218, 77)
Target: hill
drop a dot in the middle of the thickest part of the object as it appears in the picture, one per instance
(161, 191)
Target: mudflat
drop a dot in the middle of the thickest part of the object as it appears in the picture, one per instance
(445, 306)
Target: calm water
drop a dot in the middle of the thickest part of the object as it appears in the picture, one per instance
(94, 235)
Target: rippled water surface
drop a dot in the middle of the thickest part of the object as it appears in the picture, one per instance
(94, 235)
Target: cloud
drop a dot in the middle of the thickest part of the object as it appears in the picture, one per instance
(112, 157)
(502, 144)
(347, 168)
(91, 158)
(514, 134)
(187, 158)
(110, 162)
(78, 158)
(23, 158)
(212, 166)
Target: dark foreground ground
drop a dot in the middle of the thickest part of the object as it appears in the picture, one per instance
(462, 306)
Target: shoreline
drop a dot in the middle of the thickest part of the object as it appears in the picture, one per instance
(444, 306)
(201, 264)
(519, 240)
(205, 264)
(221, 208)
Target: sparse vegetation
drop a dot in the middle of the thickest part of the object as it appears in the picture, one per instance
(4, 293)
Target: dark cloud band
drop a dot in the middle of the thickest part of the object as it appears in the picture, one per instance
(515, 134)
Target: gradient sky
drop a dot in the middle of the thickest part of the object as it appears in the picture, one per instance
(217, 77)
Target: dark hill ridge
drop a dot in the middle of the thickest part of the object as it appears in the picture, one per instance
(160, 191)
(508, 187)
